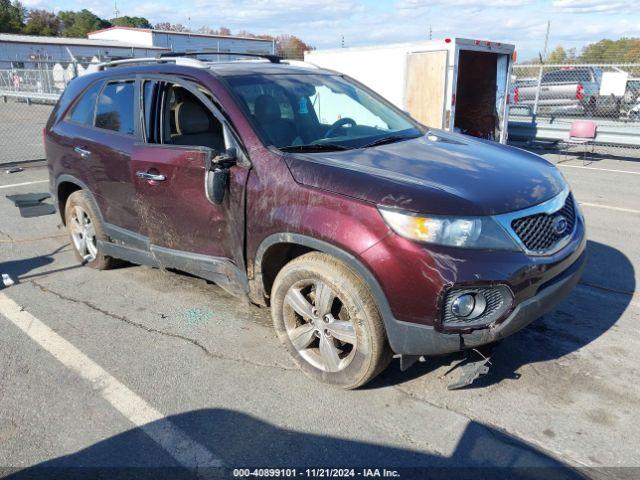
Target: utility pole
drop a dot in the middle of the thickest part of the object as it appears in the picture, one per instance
(543, 58)
(430, 33)
(342, 41)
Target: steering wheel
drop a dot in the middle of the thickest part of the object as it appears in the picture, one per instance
(341, 122)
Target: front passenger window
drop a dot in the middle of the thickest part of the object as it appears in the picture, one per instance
(185, 120)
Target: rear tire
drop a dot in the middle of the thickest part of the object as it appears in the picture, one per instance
(329, 312)
(591, 107)
(85, 229)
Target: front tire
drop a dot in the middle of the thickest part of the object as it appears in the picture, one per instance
(85, 229)
(327, 319)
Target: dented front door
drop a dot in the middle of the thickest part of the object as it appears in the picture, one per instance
(172, 205)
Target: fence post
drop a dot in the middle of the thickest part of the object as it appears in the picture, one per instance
(535, 101)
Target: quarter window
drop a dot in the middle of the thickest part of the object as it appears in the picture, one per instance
(84, 109)
(115, 108)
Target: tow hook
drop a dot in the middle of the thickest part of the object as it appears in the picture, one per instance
(474, 365)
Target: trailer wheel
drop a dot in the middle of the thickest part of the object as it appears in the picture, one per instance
(591, 107)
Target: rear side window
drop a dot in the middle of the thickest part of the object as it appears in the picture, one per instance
(83, 110)
(115, 108)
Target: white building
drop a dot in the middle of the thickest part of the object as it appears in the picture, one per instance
(183, 41)
(28, 51)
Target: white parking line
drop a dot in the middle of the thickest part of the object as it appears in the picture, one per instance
(600, 169)
(22, 184)
(609, 207)
(176, 442)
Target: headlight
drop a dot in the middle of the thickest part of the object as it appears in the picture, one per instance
(468, 232)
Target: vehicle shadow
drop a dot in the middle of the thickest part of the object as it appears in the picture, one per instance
(19, 269)
(595, 305)
(242, 441)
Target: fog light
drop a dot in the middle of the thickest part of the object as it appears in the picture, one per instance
(476, 306)
(469, 305)
(463, 305)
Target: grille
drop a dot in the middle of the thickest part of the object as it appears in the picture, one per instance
(537, 232)
(498, 302)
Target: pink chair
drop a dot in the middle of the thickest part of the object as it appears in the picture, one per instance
(582, 132)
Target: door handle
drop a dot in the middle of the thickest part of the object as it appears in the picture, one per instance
(156, 177)
(84, 153)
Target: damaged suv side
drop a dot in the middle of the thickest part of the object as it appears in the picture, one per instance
(366, 233)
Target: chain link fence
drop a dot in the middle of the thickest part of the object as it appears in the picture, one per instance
(547, 99)
(27, 96)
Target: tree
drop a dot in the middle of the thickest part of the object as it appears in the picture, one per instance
(559, 55)
(612, 51)
(135, 22)
(210, 31)
(42, 22)
(11, 16)
(290, 46)
(78, 24)
(171, 27)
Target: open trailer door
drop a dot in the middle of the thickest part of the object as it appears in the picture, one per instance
(426, 84)
(481, 94)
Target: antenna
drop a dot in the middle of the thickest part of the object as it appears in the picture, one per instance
(342, 41)
(116, 12)
(430, 33)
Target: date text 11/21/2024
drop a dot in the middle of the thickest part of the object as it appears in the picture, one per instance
(316, 472)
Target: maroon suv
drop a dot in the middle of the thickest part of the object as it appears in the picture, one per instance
(366, 233)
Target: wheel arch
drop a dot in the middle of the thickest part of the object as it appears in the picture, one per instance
(270, 258)
(65, 186)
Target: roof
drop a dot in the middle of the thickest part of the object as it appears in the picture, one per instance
(252, 67)
(85, 42)
(192, 34)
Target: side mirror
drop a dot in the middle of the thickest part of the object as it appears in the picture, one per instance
(217, 174)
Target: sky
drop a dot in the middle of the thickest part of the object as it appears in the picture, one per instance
(322, 23)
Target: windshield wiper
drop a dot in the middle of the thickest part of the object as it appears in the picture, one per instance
(314, 147)
(388, 139)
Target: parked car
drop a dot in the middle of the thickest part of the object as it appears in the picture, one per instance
(632, 99)
(569, 90)
(364, 238)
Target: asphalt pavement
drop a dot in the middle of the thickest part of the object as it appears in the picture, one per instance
(139, 367)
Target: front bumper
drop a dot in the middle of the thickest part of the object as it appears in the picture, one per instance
(414, 339)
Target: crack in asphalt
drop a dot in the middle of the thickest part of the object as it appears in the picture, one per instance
(536, 446)
(128, 321)
(11, 240)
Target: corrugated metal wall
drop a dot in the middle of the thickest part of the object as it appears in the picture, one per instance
(22, 52)
(184, 43)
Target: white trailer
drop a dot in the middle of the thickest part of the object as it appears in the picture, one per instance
(456, 84)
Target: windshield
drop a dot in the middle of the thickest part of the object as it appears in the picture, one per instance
(313, 112)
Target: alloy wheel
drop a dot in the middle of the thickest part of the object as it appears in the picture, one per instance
(83, 234)
(319, 326)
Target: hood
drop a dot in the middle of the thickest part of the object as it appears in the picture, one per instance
(439, 173)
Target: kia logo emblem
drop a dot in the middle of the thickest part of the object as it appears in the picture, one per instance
(559, 225)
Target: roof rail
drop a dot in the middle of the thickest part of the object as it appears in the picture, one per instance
(271, 58)
(97, 67)
(300, 63)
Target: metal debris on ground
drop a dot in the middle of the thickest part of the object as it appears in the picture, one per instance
(31, 204)
(474, 365)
